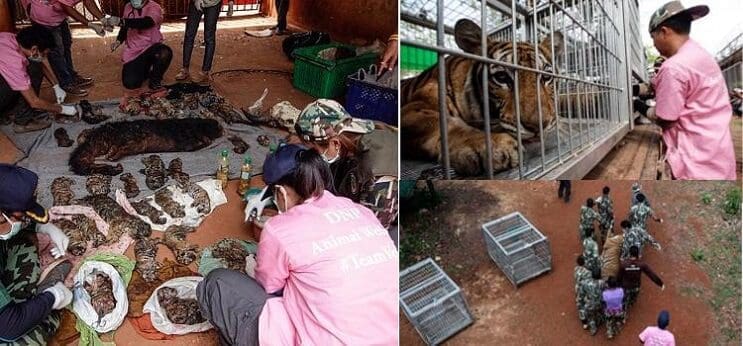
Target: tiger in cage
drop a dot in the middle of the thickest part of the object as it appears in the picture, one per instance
(466, 137)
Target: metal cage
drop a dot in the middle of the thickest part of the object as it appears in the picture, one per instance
(517, 247)
(432, 302)
(730, 58)
(602, 52)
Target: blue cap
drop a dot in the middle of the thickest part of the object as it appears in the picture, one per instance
(663, 319)
(282, 162)
(18, 192)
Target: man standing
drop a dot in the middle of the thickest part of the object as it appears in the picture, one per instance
(587, 217)
(592, 290)
(639, 213)
(630, 275)
(658, 335)
(591, 251)
(564, 190)
(637, 237)
(282, 8)
(606, 215)
(580, 274)
(29, 299)
(23, 65)
(692, 102)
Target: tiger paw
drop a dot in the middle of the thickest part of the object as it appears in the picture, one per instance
(468, 154)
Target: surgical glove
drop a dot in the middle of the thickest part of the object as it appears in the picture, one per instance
(68, 110)
(59, 93)
(110, 22)
(58, 238)
(115, 45)
(62, 295)
(250, 265)
(199, 5)
(98, 28)
(257, 201)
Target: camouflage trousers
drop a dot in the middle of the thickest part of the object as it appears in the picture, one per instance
(614, 323)
(594, 317)
(19, 272)
(604, 227)
(630, 296)
(580, 305)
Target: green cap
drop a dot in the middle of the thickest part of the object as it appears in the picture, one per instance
(247, 159)
(224, 153)
(673, 8)
(325, 118)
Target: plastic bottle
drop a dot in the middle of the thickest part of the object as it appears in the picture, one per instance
(223, 171)
(245, 172)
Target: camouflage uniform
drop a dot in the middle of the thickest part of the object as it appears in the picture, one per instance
(638, 215)
(353, 178)
(636, 236)
(591, 254)
(591, 290)
(606, 217)
(580, 274)
(587, 217)
(19, 273)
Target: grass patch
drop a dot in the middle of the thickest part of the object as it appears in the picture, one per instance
(697, 255)
(731, 205)
(418, 238)
(706, 198)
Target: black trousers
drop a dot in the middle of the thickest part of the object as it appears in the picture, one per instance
(564, 190)
(282, 8)
(11, 101)
(150, 65)
(211, 14)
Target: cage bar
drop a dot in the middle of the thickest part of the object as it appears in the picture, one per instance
(518, 248)
(432, 302)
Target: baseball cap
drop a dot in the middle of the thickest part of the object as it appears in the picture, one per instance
(18, 192)
(324, 118)
(281, 163)
(673, 8)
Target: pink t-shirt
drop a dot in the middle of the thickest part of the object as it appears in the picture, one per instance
(137, 41)
(691, 92)
(338, 268)
(654, 336)
(13, 63)
(48, 12)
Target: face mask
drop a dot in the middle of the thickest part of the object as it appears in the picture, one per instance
(137, 3)
(36, 58)
(329, 160)
(15, 227)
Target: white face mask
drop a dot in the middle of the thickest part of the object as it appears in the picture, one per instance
(137, 3)
(329, 160)
(15, 227)
(36, 58)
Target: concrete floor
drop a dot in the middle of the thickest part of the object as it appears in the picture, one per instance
(235, 50)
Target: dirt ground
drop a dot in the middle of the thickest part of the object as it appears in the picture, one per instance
(635, 156)
(542, 311)
(234, 50)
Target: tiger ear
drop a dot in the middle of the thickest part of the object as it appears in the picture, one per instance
(547, 43)
(468, 36)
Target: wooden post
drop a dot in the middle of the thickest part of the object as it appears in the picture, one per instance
(7, 24)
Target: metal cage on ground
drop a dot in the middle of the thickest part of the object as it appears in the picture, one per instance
(517, 247)
(592, 106)
(432, 302)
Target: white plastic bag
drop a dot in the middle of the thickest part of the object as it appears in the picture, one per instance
(193, 218)
(186, 287)
(81, 298)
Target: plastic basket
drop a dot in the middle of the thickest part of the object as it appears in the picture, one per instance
(370, 100)
(325, 78)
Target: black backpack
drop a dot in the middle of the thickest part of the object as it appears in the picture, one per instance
(304, 39)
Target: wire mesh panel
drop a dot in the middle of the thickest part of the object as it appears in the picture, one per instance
(433, 303)
(517, 247)
(533, 88)
(733, 76)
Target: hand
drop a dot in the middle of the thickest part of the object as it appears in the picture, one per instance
(58, 238)
(110, 22)
(69, 110)
(663, 288)
(657, 246)
(660, 220)
(115, 45)
(98, 28)
(388, 61)
(257, 201)
(199, 5)
(62, 295)
(250, 265)
(59, 93)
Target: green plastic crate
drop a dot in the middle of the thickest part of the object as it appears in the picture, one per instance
(326, 78)
(416, 59)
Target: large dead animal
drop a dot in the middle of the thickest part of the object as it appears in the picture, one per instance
(100, 288)
(175, 239)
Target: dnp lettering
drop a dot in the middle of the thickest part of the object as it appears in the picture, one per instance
(342, 215)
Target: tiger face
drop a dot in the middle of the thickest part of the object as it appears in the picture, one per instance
(535, 90)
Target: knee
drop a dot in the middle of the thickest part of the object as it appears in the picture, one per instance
(131, 82)
(164, 53)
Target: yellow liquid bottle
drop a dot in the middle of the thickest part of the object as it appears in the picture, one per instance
(223, 171)
(245, 172)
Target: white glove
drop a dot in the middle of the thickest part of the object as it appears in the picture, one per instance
(59, 93)
(199, 5)
(250, 265)
(110, 22)
(657, 246)
(68, 110)
(256, 203)
(98, 28)
(62, 295)
(58, 238)
(115, 45)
